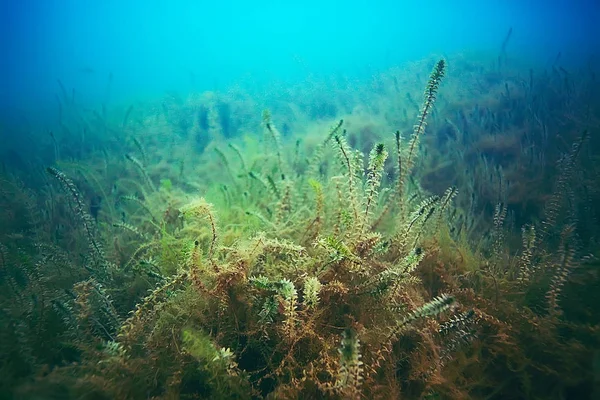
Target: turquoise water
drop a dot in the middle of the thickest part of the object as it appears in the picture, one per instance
(278, 200)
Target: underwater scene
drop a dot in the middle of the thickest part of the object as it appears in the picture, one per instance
(312, 200)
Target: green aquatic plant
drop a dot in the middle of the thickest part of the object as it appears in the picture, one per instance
(250, 289)
(142, 169)
(405, 163)
(310, 271)
(80, 210)
(312, 287)
(350, 373)
(375, 172)
(430, 95)
(287, 296)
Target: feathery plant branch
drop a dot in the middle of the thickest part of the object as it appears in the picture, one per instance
(555, 204)
(315, 161)
(417, 221)
(239, 155)
(348, 161)
(397, 190)
(447, 198)
(142, 170)
(350, 375)
(377, 159)
(526, 261)
(430, 96)
(567, 262)
(142, 204)
(276, 136)
(225, 162)
(202, 209)
(434, 307)
(79, 208)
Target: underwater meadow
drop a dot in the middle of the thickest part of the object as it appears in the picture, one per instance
(426, 230)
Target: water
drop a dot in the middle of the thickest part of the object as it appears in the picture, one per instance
(311, 200)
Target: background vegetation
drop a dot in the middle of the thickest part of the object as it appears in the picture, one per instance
(355, 240)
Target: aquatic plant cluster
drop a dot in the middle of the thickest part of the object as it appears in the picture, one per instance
(171, 252)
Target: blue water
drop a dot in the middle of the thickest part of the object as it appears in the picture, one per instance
(116, 115)
(149, 47)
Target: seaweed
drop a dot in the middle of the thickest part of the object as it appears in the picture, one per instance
(288, 268)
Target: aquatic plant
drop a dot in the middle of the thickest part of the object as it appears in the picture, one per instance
(298, 272)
